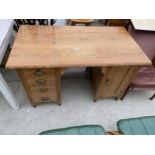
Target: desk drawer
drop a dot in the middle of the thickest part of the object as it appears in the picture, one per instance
(43, 89)
(43, 97)
(32, 73)
(46, 81)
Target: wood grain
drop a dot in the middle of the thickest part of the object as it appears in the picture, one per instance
(115, 22)
(111, 81)
(74, 46)
(82, 21)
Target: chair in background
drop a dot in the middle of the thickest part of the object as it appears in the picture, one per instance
(77, 130)
(86, 22)
(19, 22)
(145, 77)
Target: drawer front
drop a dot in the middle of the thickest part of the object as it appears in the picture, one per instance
(44, 97)
(44, 81)
(32, 73)
(43, 89)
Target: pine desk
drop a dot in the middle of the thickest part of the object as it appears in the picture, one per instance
(41, 52)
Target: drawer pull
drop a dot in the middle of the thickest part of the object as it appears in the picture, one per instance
(108, 83)
(39, 72)
(45, 99)
(43, 89)
(41, 81)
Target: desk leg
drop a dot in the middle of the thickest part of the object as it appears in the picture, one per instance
(4, 88)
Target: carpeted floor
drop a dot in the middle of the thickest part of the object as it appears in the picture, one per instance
(77, 107)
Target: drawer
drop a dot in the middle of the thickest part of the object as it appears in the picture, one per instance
(48, 81)
(43, 89)
(37, 72)
(44, 97)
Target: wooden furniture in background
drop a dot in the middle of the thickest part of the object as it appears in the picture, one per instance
(19, 22)
(86, 22)
(145, 77)
(111, 48)
(116, 22)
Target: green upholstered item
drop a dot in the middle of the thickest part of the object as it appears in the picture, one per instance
(77, 130)
(137, 126)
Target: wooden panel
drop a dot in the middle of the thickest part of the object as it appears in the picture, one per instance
(43, 98)
(48, 80)
(84, 21)
(43, 89)
(112, 82)
(47, 90)
(116, 22)
(97, 77)
(126, 81)
(74, 46)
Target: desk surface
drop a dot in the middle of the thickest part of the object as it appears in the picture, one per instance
(144, 24)
(74, 46)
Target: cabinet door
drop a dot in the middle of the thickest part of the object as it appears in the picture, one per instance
(112, 81)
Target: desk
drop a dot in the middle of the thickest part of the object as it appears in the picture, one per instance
(6, 37)
(41, 52)
(86, 22)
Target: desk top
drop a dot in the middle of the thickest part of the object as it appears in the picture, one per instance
(74, 46)
(144, 24)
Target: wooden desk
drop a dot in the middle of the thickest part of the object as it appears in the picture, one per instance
(144, 24)
(54, 48)
(86, 22)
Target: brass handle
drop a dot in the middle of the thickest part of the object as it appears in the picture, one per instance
(43, 89)
(41, 81)
(39, 72)
(45, 98)
(108, 82)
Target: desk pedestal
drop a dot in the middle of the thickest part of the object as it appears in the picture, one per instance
(41, 85)
(111, 81)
